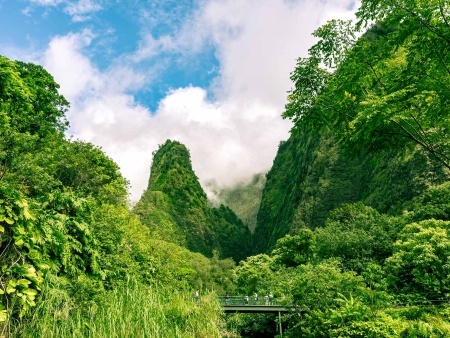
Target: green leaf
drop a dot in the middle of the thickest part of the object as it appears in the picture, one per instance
(31, 293)
(3, 315)
(30, 272)
(21, 230)
(23, 283)
(27, 214)
(10, 289)
(18, 241)
(21, 203)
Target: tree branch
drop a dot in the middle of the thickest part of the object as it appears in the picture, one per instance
(441, 10)
(422, 21)
(375, 74)
(445, 160)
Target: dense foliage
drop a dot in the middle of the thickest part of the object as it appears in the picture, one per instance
(373, 127)
(73, 259)
(352, 232)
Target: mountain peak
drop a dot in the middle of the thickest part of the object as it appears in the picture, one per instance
(175, 207)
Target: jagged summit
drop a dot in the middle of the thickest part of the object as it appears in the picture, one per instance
(176, 208)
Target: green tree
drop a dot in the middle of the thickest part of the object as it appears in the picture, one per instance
(309, 81)
(432, 203)
(355, 319)
(358, 235)
(291, 251)
(314, 291)
(254, 274)
(420, 263)
(390, 87)
(32, 116)
(86, 169)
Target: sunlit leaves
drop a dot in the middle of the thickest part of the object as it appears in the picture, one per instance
(18, 278)
(336, 38)
(420, 262)
(309, 81)
(295, 250)
(254, 274)
(433, 203)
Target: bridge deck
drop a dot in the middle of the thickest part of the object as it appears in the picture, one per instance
(243, 308)
(251, 305)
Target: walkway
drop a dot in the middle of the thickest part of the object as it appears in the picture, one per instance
(254, 308)
(241, 305)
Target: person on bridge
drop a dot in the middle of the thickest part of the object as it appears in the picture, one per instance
(266, 298)
(227, 298)
(255, 297)
(246, 299)
(270, 298)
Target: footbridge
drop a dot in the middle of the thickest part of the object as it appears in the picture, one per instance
(245, 304)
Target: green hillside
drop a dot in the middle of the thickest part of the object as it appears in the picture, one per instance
(371, 131)
(243, 198)
(312, 175)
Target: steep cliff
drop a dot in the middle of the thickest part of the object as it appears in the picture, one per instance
(312, 175)
(372, 130)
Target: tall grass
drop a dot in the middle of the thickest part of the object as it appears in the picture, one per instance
(131, 310)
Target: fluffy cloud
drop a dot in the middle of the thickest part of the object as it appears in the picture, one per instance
(72, 70)
(231, 136)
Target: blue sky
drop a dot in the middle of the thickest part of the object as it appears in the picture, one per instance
(212, 74)
(119, 27)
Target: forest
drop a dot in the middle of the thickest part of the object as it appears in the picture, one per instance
(349, 229)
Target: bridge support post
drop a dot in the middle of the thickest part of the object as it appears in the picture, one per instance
(279, 321)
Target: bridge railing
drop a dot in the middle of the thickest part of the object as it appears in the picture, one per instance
(241, 300)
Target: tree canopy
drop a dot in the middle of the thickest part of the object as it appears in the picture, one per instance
(389, 87)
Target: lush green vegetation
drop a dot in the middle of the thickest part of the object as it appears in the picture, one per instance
(353, 225)
(130, 310)
(363, 274)
(373, 127)
(74, 260)
(353, 229)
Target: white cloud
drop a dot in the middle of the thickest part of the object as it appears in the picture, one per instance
(231, 137)
(79, 10)
(46, 2)
(82, 7)
(258, 42)
(71, 69)
(224, 144)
